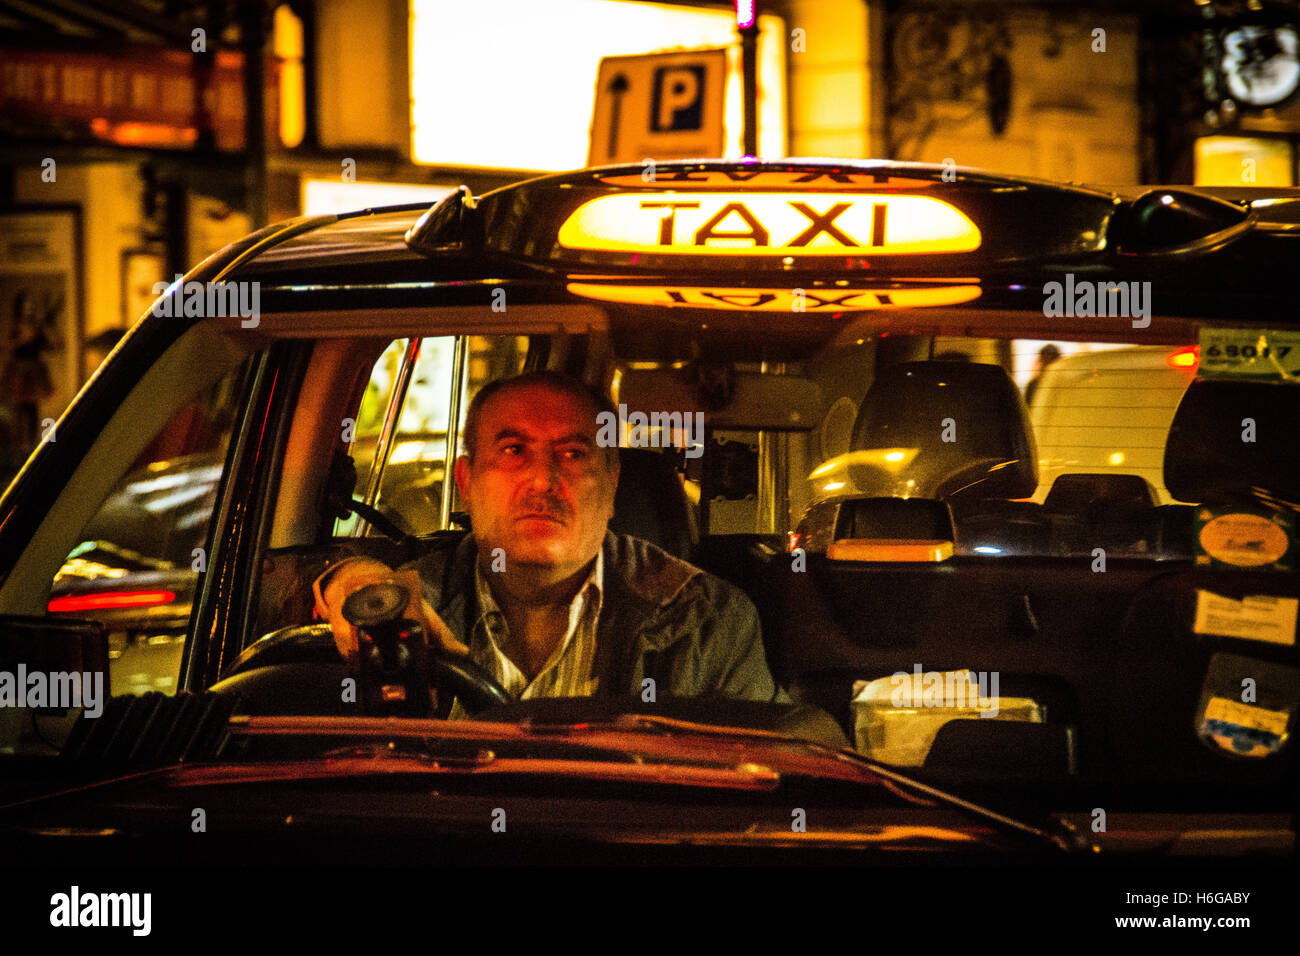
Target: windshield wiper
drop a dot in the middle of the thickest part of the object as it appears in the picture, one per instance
(432, 758)
(368, 762)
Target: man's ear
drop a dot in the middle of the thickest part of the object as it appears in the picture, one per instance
(461, 471)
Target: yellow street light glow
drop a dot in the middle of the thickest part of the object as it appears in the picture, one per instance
(891, 459)
(776, 300)
(787, 224)
(1116, 458)
(832, 486)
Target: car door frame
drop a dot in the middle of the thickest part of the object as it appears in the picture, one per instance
(225, 597)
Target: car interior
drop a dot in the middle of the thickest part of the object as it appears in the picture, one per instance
(912, 530)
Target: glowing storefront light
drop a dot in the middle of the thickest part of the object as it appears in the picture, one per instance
(288, 45)
(511, 83)
(326, 196)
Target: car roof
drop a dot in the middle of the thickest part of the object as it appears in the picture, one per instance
(1207, 253)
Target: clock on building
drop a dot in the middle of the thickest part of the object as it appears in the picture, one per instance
(1260, 66)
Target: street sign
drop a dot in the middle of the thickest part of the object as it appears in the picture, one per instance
(658, 106)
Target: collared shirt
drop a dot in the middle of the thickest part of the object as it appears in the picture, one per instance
(567, 672)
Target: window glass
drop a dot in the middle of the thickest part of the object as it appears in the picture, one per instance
(1102, 409)
(1099, 415)
(411, 486)
(138, 562)
(410, 491)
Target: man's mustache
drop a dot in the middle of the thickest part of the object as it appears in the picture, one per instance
(543, 504)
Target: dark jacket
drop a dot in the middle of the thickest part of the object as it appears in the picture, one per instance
(661, 618)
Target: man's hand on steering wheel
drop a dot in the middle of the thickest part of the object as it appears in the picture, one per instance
(332, 588)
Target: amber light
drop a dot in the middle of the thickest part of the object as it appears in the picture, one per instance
(110, 599)
(751, 299)
(889, 549)
(736, 223)
(1188, 357)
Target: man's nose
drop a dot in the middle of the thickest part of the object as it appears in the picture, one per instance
(546, 470)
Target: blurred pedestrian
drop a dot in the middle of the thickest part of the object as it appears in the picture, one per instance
(1046, 356)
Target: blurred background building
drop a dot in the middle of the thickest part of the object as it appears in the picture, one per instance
(138, 137)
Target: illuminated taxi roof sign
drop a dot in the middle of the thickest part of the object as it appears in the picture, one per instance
(738, 223)
(817, 180)
(776, 299)
(709, 217)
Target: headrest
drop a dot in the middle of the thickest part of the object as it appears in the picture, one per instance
(965, 422)
(651, 503)
(892, 529)
(1229, 437)
(901, 518)
(1080, 493)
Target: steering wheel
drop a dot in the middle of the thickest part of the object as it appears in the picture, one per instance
(314, 644)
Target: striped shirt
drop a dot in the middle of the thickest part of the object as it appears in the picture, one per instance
(568, 671)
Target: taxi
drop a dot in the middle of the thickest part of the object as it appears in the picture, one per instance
(1046, 630)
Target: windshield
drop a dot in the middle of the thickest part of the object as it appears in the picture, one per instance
(955, 577)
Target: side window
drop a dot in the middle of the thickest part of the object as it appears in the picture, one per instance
(137, 565)
(410, 487)
(404, 476)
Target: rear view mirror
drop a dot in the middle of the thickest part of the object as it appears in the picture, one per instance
(745, 401)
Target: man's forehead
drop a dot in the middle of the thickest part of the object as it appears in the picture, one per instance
(532, 409)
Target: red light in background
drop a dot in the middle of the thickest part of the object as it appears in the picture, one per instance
(110, 599)
(134, 133)
(1188, 357)
(746, 13)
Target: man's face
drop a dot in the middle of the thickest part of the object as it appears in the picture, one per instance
(539, 488)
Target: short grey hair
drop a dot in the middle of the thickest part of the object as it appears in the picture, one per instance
(556, 381)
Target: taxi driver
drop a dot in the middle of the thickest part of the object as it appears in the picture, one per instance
(541, 594)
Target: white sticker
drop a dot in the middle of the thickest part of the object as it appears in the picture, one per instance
(1256, 617)
(1259, 354)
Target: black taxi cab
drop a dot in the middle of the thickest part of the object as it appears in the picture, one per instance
(1007, 467)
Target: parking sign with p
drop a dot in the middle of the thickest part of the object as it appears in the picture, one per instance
(677, 102)
(660, 106)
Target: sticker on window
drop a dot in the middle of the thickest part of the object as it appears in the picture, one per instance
(1253, 354)
(1243, 539)
(1243, 729)
(1256, 617)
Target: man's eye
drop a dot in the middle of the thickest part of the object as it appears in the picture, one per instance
(512, 449)
(575, 454)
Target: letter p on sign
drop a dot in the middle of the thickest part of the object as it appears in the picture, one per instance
(678, 99)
